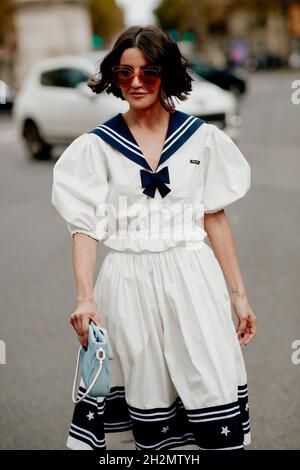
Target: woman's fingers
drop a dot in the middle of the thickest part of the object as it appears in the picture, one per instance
(251, 329)
(246, 324)
(96, 318)
(75, 322)
(248, 332)
(84, 330)
(246, 336)
(80, 322)
(242, 329)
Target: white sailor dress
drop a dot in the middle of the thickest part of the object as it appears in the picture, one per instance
(177, 376)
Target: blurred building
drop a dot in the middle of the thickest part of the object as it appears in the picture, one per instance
(235, 31)
(47, 28)
(265, 33)
(257, 30)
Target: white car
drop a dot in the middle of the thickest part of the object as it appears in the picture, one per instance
(54, 105)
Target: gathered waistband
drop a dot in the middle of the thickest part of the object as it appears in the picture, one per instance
(188, 248)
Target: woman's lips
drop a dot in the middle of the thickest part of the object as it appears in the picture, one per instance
(138, 95)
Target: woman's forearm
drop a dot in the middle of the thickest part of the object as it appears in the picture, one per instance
(221, 238)
(84, 262)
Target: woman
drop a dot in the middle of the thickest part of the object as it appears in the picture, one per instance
(151, 184)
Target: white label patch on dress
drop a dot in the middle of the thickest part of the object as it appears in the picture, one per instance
(195, 161)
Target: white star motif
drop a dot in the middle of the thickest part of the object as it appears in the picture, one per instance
(247, 407)
(225, 430)
(90, 416)
(165, 429)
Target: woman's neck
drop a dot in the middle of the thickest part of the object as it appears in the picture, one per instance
(149, 118)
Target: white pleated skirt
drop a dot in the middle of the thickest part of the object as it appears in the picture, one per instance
(177, 376)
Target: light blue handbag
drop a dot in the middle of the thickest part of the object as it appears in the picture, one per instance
(93, 364)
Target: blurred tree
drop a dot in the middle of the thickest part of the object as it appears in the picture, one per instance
(197, 15)
(107, 18)
(189, 15)
(173, 14)
(6, 19)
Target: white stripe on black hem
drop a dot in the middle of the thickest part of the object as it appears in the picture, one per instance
(115, 395)
(87, 438)
(72, 433)
(151, 416)
(86, 400)
(161, 418)
(149, 413)
(101, 408)
(85, 431)
(82, 391)
(117, 423)
(209, 413)
(166, 442)
(113, 392)
(217, 418)
(114, 428)
(224, 448)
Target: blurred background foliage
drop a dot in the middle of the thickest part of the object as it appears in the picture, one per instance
(106, 17)
(6, 19)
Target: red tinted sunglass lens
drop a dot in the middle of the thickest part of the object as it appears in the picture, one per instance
(122, 76)
(149, 76)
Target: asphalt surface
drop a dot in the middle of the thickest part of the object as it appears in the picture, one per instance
(38, 291)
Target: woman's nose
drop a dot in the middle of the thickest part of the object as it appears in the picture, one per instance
(136, 81)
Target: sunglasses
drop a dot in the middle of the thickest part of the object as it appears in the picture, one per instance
(124, 74)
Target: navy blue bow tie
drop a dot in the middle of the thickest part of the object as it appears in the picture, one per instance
(153, 181)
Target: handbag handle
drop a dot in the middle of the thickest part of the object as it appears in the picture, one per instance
(101, 358)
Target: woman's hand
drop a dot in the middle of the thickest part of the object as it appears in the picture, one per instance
(246, 326)
(80, 318)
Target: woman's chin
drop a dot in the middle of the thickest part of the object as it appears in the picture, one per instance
(140, 103)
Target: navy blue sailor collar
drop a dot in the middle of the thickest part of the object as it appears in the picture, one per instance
(116, 132)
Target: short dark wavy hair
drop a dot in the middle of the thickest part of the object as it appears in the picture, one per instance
(159, 49)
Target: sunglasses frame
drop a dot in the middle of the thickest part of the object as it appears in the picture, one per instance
(114, 68)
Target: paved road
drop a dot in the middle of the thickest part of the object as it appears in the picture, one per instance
(38, 292)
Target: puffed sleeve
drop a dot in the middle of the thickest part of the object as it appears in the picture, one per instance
(227, 172)
(80, 185)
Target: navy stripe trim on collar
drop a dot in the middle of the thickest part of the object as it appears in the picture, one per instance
(180, 136)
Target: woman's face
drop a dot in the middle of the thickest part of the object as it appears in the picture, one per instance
(138, 95)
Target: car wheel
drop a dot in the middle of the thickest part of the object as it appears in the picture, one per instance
(36, 146)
